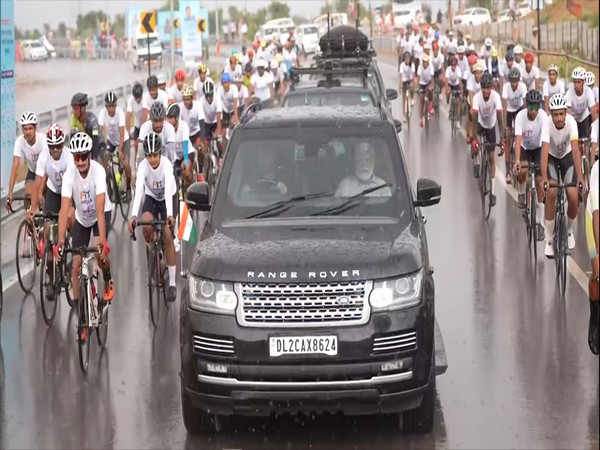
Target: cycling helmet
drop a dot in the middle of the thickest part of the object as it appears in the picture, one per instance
(173, 111)
(494, 53)
(138, 90)
(478, 67)
(534, 97)
(488, 42)
(529, 57)
(152, 82)
(274, 64)
(425, 57)
(514, 73)
(80, 143)
(180, 75)
(518, 50)
(55, 135)
(472, 60)
(160, 78)
(250, 53)
(510, 56)
(157, 111)
(405, 55)
(460, 42)
(226, 77)
(487, 80)
(557, 101)
(435, 46)
(578, 73)
(28, 118)
(110, 98)
(79, 99)
(460, 49)
(238, 77)
(279, 58)
(187, 91)
(409, 26)
(450, 33)
(552, 67)
(436, 35)
(152, 144)
(208, 87)
(590, 79)
(202, 68)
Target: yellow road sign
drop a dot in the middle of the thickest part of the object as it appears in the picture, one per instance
(201, 25)
(148, 21)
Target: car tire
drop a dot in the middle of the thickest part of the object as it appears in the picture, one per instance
(195, 420)
(420, 420)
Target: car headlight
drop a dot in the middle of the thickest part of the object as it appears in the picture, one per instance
(212, 296)
(396, 293)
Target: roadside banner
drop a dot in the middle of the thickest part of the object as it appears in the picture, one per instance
(132, 24)
(191, 39)
(8, 131)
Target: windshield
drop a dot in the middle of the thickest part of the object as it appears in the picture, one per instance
(310, 30)
(302, 172)
(269, 31)
(143, 42)
(329, 98)
(35, 45)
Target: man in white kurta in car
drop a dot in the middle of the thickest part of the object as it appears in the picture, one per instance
(155, 183)
(152, 95)
(134, 114)
(112, 126)
(486, 112)
(29, 146)
(164, 129)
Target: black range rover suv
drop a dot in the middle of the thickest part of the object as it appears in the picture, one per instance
(310, 289)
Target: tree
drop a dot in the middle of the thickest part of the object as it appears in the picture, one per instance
(488, 4)
(212, 23)
(278, 10)
(62, 29)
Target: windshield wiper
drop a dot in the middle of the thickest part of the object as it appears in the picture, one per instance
(284, 205)
(351, 202)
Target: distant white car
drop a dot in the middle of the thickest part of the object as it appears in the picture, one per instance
(473, 16)
(523, 8)
(504, 16)
(33, 51)
(403, 16)
(307, 37)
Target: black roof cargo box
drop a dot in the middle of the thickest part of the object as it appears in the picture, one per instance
(343, 39)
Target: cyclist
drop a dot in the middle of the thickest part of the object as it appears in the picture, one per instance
(590, 81)
(243, 94)
(153, 94)
(519, 61)
(407, 75)
(162, 83)
(212, 111)
(513, 99)
(278, 78)
(437, 62)
(84, 185)
(86, 122)
(509, 60)
(231, 66)
(494, 69)
(581, 103)
(229, 97)
(135, 113)
(199, 81)
(184, 150)
(417, 52)
(192, 114)
(463, 63)
(175, 92)
(485, 53)
(164, 129)
(592, 226)
(552, 85)
(560, 154)
(424, 79)
(528, 148)
(452, 77)
(261, 84)
(29, 146)
(486, 113)
(155, 183)
(531, 75)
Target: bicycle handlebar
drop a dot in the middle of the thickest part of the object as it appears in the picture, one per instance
(562, 186)
(155, 224)
(82, 250)
(18, 199)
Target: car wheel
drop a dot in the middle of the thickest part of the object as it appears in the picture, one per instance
(420, 420)
(195, 420)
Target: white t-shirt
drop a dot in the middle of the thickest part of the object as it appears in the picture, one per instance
(515, 98)
(560, 140)
(531, 131)
(487, 110)
(157, 183)
(174, 93)
(211, 110)
(407, 72)
(505, 70)
(592, 203)
(529, 77)
(261, 85)
(228, 98)
(112, 125)
(198, 87)
(580, 105)
(425, 74)
(55, 169)
(182, 134)
(520, 65)
(137, 109)
(166, 135)
(453, 76)
(83, 191)
(473, 85)
(464, 67)
(192, 116)
(30, 153)
(595, 90)
(162, 97)
(408, 43)
(243, 94)
(417, 50)
(437, 61)
(549, 90)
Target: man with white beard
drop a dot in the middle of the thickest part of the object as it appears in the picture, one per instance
(363, 178)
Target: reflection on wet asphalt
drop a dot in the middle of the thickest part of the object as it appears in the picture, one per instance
(520, 372)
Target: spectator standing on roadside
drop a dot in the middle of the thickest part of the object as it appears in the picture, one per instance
(243, 30)
(439, 16)
(232, 31)
(534, 39)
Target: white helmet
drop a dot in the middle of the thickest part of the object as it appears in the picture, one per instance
(55, 135)
(80, 143)
(238, 77)
(552, 67)
(557, 101)
(578, 73)
(460, 49)
(274, 64)
(488, 42)
(28, 118)
(161, 78)
(590, 79)
(518, 50)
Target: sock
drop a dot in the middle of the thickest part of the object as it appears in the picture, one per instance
(521, 188)
(540, 213)
(172, 275)
(549, 230)
(493, 186)
(570, 225)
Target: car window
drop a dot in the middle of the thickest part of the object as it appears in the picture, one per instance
(329, 98)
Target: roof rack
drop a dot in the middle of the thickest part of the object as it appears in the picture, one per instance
(330, 69)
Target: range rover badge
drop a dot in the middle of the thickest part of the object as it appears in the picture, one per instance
(343, 300)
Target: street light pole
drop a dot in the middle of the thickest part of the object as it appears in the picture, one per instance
(172, 37)
(539, 33)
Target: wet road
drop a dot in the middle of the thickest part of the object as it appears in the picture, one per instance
(520, 373)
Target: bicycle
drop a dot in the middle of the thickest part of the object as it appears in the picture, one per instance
(59, 274)
(437, 90)
(92, 310)
(485, 176)
(407, 101)
(530, 211)
(454, 116)
(212, 163)
(586, 163)
(426, 105)
(116, 185)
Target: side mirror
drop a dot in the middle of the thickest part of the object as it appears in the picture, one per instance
(428, 192)
(197, 197)
(391, 94)
(397, 125)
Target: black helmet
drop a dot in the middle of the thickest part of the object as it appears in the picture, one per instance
(534, 97)
(138, 90)
(487, 80)
(79, 99)
(110, 98)
(157, 111)
(152, 144)
(173, 111)
(152, 82)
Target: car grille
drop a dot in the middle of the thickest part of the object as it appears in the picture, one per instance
(303, 304)
(396, 342)
(213, 346)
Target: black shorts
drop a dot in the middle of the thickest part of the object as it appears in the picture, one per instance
(194, 137)
(563, 166)
(510, 118)
(30, 178)
(454, 88)
(532, 156)
(126, 147)
(423, 87)
(158, 209)
(207, 129)
(584, 128)
(437, 74)
(489, 133)
(225, 119)
(135, 134)
(406, 84)
(52, 202)
(81, 235)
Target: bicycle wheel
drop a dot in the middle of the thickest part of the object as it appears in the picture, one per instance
(82, 326)
(66, 269)
(113, 195)
(26, 256)
(586, 176)
(153, 280)
(513, 157)
(533, 223)
(102, 329)
(563, 245)
(124, 202)
(49, 278)
(453, 116)
(527, 216)
(486, 194)
(163, 278)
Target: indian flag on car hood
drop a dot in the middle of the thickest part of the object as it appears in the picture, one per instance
(187, 229)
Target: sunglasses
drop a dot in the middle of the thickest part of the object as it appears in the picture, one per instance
(78, 157)
(55, 147)
(533, 107)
